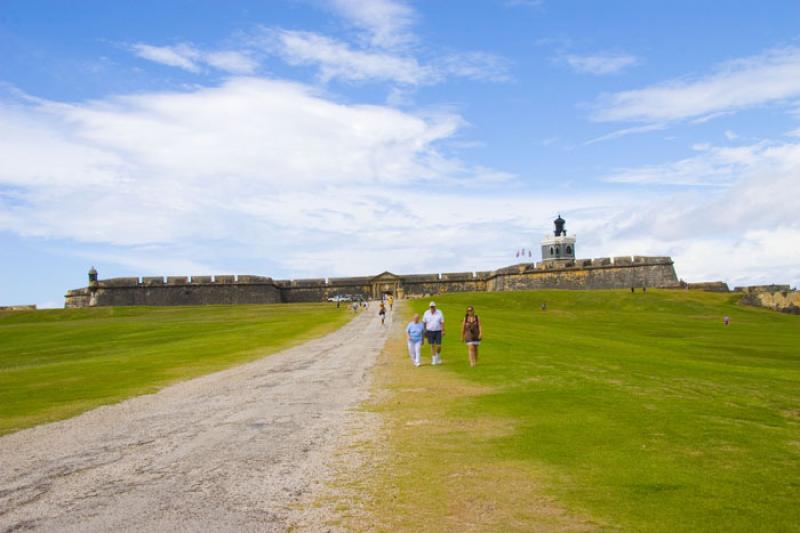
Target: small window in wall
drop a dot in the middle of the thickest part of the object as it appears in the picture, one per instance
(558, 250)
(569, 249)
(552, 252)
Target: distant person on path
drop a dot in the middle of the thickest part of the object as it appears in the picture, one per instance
(472, 333)
(355, 307)
(726, 320)
(414, 333)
(544, 306)
(382, 313)
(434, 331)
(390, 299)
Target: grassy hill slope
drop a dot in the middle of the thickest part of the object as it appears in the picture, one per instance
(57, 363)
(607, 410)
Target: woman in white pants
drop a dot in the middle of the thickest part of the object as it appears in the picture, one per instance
(414, 332)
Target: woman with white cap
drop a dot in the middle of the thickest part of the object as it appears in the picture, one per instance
(434, 331)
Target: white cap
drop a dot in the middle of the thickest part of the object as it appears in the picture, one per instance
(432, 304)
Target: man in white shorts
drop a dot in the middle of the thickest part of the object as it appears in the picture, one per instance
(414, 332)
(434, 331)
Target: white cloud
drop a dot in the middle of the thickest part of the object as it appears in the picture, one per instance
(182, 55)
(743, 229)
(231, 61)
(474, 65)
(599, 64)
(387, 23)
(735, 85)
(385, 50)
(190, 58)
(161, 167)
(336, 59)
(713, 166)
(626, 131)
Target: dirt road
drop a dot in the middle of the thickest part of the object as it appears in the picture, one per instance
(230, 451)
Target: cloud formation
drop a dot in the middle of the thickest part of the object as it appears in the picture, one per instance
(599, 64)
(190, 58)
(733, 86)
(257, 164)
(740, 229)
(385, 23)
(714, 166)
(337, 60)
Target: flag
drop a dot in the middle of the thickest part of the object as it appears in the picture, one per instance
(529, 253)
(517, 253)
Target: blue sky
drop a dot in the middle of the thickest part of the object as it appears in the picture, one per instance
(311, 138)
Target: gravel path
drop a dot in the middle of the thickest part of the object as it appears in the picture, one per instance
(230, 451)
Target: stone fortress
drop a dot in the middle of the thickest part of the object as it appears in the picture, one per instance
(559, 269)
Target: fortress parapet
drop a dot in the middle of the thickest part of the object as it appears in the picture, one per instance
(175, 290)
(599, 273)
(559, 269)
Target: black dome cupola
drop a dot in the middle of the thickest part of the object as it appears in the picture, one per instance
(560, 229)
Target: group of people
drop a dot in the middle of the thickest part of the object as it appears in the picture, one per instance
(431, 328)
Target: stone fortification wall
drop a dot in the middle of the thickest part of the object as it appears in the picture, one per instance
(708, 286)
(763, 288)
(418, 285)
(27, 307)
(785, 301)
(602, 273)
(319, 290)
(178, 290)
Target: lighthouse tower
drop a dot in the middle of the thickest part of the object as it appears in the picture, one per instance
(558, 247)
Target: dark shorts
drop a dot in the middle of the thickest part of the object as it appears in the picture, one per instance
(434, 337)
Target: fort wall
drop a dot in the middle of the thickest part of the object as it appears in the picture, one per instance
(785, 301)
(179, 290)
(603, 273)
(588, 274)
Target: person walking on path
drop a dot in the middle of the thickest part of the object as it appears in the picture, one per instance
(414, 332)
(472, 333)
(434, 331)
(390, 299)
(382, 313)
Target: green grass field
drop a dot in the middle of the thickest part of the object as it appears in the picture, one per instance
(57, 363)
(633, 411)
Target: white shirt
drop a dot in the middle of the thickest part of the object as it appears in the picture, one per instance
(433, 321)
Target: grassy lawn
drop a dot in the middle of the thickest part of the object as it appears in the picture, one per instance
(58, 363)
(609, 410)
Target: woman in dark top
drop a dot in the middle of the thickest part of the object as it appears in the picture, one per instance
(472, 333)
